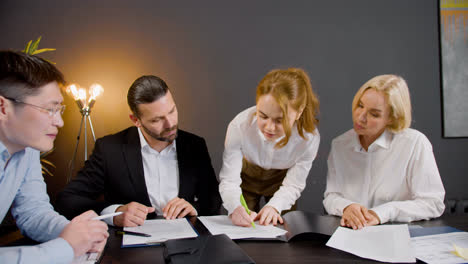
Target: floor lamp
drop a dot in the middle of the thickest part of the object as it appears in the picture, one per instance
(85, 106)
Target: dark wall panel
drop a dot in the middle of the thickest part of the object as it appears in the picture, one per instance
(213, 54)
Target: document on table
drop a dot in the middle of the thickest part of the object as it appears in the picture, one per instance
(160, 231)
(221, 224)
(389, 243)
(438, 248)
(88, 258)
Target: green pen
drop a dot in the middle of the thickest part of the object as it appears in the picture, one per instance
(244, 204)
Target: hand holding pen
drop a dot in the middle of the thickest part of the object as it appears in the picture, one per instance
(85, 233)
(244, 204)
(240, 217)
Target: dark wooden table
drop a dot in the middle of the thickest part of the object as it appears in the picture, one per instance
(309, 251)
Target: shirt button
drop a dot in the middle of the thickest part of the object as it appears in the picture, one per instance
(5, 155)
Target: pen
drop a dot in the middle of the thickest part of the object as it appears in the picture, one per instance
(244, 204)
(106, 216)
(132, 233)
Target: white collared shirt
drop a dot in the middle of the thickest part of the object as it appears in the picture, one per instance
(161, 172)
(397, 177)
(244, 139)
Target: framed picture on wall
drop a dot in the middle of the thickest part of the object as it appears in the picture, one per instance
(454, 66)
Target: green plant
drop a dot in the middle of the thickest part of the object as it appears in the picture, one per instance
(45, 163)
(31, 48)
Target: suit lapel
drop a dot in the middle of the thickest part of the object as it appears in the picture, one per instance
(132, 154)
(182, 156)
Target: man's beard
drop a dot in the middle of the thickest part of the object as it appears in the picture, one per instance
(161, 136)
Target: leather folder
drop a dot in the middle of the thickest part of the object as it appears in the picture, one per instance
(217, 249)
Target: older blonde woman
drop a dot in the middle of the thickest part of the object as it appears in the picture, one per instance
(382, 170)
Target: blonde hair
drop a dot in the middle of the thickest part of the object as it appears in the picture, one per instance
(397, 94)
(291, 87)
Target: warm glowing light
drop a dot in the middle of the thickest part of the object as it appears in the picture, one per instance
(82, 94)
(71, 89)
(95, 90)
(79, 94)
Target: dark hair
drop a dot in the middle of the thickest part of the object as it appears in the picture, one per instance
(144, 90)
(21, 74)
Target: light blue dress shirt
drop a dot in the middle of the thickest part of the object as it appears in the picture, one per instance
(23, 187)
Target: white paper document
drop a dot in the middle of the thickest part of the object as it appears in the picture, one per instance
(438, 248)
(160, 231)
(389, 243)
(221, 224)
(88, 258)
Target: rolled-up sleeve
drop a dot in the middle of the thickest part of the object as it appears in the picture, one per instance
(230, 179)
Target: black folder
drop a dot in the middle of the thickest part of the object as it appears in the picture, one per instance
(308, 226)
(217, 249)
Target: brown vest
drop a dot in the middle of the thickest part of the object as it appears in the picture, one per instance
(258, 182)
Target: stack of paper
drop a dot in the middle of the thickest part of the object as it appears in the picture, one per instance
(389, 243)
(221, 224)
(440, 248)
(160, 231)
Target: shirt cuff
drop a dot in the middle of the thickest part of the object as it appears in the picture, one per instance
(342, 205)
(336, 205)
(230, 207)
(109, 210)
(383, 212)
(276, 204)
(59, 250)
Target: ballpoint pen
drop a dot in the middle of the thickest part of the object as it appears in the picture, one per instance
(244, 204)
(106, 216)
(132, 233)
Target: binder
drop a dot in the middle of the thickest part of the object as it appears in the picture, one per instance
(217, 249)
(308, 226)
(427, 231)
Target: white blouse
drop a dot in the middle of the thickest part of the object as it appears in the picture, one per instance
(397, 177)
(244, 139)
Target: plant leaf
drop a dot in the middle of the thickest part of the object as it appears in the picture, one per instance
(46, 171)
(48, 163)
(41, 50)
(51, 62)
(44, 162)
(35, 45)
(26, 49)
(43, 154)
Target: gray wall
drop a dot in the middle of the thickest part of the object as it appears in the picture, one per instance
(213, 54)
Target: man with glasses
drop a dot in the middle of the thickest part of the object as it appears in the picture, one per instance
(30, 116)
(151, 167)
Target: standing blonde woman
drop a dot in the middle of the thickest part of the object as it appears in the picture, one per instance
(382, 170)
(270, 147)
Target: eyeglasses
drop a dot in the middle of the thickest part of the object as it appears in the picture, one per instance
(50, 111)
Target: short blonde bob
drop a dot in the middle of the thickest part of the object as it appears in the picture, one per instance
(397, 94)
(291, 87)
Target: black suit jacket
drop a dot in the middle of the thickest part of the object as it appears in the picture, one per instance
(114, 175)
